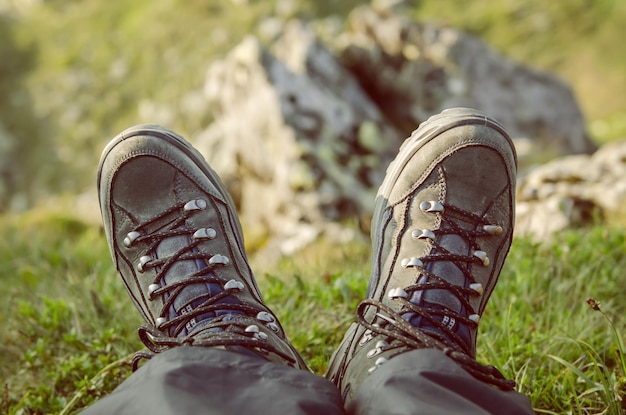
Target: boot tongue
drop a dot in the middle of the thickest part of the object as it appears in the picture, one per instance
(192, 295)
(447, 270)
(440, 298)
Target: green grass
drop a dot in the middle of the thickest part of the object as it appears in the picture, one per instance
(69, 328)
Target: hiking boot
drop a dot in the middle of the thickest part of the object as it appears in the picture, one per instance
(176, 240)
(441, 229)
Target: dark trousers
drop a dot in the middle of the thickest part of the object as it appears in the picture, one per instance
(195, 380)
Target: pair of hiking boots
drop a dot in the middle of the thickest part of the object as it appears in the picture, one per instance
(441, 229)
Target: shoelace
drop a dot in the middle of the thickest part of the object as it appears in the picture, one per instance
(399, 332)
(222, 330)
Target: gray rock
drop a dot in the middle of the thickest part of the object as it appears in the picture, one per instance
(297, 141)
(302, 138)
(414, 70)
(573, 191)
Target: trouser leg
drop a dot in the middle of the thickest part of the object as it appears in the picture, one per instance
(194, 380)
(426, 381)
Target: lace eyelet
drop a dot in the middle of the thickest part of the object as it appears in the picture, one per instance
(196, 204)
(218, 259)
(366, 337)
(477, 287)
(152, 288)
(397, 292)
(431, 206)
(482, 255)
(130, 238)
(412, 262)
(204, 233)
(423, 234)
(252, 329)
(256, 333)
(374, 352)
(265, 317)
(493, 230)
(234, 285)
(378, 349)
(379, 362)
(142, 263)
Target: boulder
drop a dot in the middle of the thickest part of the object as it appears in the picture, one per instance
(414, 70)
(573, 191)
(302, 136)
(299, 144)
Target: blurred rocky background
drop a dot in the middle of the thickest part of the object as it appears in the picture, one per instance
(300, 105)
